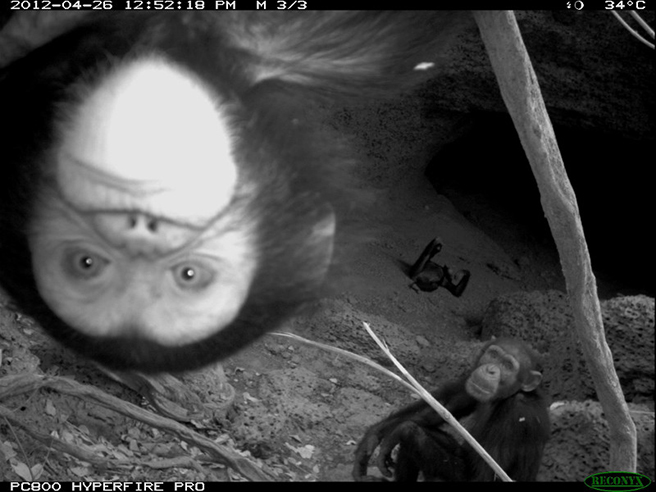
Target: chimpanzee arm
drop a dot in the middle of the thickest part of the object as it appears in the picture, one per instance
(434, 247)
(453, 396)
(459, 288)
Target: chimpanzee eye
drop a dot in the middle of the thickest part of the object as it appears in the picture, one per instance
(193, 275)
(187, 274)
(83, 264)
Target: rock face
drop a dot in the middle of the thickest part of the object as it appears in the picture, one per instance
(544, 320)
(592, 72)
(580, 441)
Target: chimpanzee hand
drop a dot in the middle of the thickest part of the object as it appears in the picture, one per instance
(386, 440)
(391, 431)
(363, 453)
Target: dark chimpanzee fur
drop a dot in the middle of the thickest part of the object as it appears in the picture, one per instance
(502, 395)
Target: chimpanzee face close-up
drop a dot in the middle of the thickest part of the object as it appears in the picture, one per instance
(167, 202)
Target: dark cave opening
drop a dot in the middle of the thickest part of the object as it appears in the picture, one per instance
(609, 174)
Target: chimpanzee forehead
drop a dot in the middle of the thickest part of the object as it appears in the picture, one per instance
(511, 348)
(498, 352)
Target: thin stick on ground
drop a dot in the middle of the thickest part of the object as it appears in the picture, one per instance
(350, 355)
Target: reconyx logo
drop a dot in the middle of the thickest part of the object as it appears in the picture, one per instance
(624, 481)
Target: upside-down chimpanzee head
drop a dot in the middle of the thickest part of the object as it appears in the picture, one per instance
(162, 202)
(505, 367)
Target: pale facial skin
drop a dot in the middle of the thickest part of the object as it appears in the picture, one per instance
(141, 236)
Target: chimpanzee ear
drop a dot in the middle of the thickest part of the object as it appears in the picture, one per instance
(532, 381)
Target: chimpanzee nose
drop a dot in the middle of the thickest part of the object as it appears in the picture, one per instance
(138, 233)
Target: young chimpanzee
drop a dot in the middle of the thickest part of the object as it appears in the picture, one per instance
(428, 276)
(509, 419)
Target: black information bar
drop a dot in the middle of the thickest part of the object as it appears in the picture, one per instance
(221, 5)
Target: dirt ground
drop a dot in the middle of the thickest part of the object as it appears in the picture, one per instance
(298, 411)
